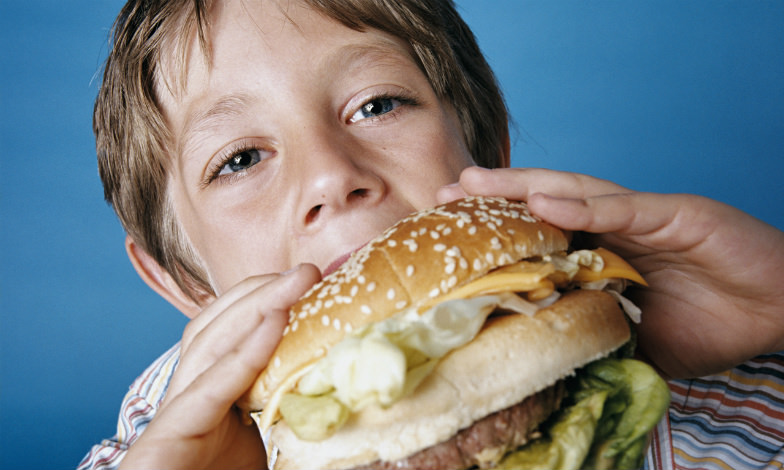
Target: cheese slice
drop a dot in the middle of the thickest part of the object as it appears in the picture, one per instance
(523, 276)
(614, 267)
(527, 276)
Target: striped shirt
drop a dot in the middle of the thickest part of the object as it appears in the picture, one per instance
(137, 409)
(731, 420)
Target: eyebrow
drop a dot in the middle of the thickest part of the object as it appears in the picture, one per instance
(204, 121)
(384, 53)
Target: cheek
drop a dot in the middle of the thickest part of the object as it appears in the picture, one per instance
(234, 241)
(241, 248)
(445, 149)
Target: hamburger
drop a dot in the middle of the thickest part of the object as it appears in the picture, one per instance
(466, 335)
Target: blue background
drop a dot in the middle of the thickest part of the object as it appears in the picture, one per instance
(660, 96)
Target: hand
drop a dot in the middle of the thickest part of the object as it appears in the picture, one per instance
(715, 296)
(223, 350)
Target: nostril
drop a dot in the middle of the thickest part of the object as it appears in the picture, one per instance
(313, 214)
(358, 194)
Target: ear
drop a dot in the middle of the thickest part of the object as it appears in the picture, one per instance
(159, 279)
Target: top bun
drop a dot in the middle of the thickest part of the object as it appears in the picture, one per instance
(423, 256)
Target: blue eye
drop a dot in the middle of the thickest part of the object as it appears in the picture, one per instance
(240, 161)
(375, 107)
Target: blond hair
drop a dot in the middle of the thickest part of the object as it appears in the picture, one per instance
(133, 142)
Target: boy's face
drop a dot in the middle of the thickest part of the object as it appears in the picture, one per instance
(302, 140)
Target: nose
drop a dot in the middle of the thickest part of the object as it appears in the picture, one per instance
(332, 178)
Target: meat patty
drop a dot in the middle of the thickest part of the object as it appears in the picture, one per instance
(484, 443)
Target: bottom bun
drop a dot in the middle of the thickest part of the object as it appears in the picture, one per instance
(514, 356)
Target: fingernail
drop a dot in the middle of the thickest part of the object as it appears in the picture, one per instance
(291, 270)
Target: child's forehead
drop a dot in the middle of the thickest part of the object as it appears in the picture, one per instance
(257, 42)
(288, 27)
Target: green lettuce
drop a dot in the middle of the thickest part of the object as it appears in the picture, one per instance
(612, 406)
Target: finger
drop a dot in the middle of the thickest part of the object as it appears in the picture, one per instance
(653, 220)
(231, 326)
(449, 193)
(275, 294)
(209, 398)
(223, 302)
(242, 298)
(521, 183)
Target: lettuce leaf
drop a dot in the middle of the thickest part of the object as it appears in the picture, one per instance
(569, 439)
(614, 405)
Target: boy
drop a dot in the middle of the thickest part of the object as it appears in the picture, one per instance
(249, 147)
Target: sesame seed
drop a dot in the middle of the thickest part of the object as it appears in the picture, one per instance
(371, 287)
(391, 294)
(336, 323)
(325, 320)
(450, 268)
(401, 304)
(365, 309)
(411, 244)
(439, 247)
(410, 270)
(472, 230)
(295, 325)
(276, 361)
(354, 290)
(392, 243)
(434, 293)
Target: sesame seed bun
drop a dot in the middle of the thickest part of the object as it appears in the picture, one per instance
(423, 257)
(513, 357)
